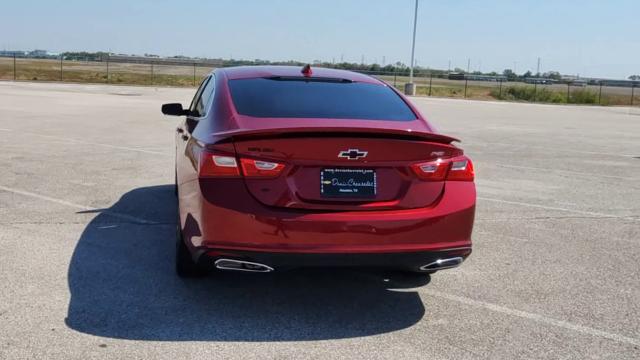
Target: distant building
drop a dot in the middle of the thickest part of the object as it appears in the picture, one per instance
(620, 83)
(476, 77)
(456, 76)
(16, 53)
(38, 53)
(537, 80)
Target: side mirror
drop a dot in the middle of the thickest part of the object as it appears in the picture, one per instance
(174, 109)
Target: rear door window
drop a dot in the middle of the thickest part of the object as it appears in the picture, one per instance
(206, 95)
(317, 98)
(198, 94)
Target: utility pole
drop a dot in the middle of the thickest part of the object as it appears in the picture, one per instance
(600, 94)
(538, 71)
(449, 67)
(410, 88)
(468, 64)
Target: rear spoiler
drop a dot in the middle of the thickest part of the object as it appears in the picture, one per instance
(331, 131)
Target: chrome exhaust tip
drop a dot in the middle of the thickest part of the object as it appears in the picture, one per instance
(239, 265)
(442, 264)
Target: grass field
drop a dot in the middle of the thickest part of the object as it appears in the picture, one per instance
(188, 75)
(486, 90)
(97, 72)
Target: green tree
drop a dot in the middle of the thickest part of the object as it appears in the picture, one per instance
(509, 74)
(552, 75)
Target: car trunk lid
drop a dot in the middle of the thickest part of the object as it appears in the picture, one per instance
(343, 169)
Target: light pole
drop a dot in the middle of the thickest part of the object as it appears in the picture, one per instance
(410, 88)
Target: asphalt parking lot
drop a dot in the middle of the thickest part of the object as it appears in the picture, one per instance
(87, 227)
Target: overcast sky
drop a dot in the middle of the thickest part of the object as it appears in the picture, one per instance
(587, 37)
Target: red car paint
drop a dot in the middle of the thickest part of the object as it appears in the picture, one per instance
(224, 212)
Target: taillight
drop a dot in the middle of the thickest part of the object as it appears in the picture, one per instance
(433, 170)
(459, 168)
(215, 165)
(259, 168)
(226, 165)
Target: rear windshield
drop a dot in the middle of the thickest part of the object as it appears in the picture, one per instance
(304, 98)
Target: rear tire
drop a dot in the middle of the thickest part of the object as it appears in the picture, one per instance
(185, 266)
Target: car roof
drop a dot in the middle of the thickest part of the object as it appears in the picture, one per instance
(248, 72)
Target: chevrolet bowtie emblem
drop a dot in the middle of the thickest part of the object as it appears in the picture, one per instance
(352, 154)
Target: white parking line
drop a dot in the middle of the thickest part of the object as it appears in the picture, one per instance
(535, 317)
(100, 144)
(591, 213)
(546, 171)
(460, 299)
(94, 143)
(77, 206)
(557, 149)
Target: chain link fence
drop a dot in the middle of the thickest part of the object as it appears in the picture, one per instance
(108, 70)
(596, 92)
(127, 70)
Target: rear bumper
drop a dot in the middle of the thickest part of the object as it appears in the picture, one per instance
(411, 261)
(233, 221)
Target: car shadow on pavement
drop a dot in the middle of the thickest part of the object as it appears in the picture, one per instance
(123, 285)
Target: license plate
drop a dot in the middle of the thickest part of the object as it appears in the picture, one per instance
(348, 183)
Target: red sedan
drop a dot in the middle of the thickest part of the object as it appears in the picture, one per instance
(284, 167)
